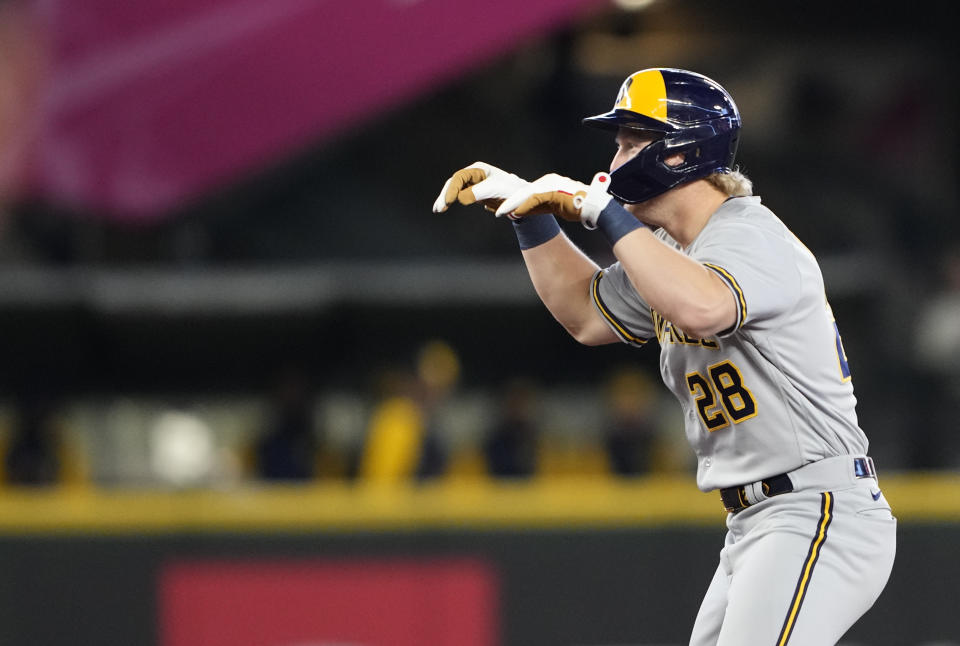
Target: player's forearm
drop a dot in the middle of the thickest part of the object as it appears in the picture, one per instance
(561, 275)
(679, 288)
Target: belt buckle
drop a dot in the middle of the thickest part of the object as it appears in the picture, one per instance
(742, 502)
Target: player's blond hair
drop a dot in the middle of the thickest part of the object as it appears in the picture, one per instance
(733, 183)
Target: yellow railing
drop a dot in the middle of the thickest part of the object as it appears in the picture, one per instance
(567, 502)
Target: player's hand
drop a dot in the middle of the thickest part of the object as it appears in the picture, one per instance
(550, 194)
(481, 183)
(562, 196)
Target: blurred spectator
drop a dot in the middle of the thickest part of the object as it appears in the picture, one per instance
(34, 456)
(510, 450)
(631, 428)
(289, 449)
(937, 359)
(403, 441)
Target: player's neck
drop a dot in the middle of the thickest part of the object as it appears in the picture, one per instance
(694, 203)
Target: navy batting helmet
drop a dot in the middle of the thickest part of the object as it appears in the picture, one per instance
(688, 113)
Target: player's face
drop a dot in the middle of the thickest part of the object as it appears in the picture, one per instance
(629, 144)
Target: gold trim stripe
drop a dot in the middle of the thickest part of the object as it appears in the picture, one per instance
(617, 325)
(730, 280)
(826, 515)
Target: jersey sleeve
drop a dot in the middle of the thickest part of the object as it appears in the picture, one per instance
(620, 305)
(758, 265)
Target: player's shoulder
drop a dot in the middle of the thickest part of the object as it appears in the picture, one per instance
(738, 213)
(748, 208)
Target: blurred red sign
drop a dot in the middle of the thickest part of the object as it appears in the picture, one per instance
(314, 603)
(148, 104)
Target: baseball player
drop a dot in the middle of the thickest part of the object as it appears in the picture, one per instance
(748, 344)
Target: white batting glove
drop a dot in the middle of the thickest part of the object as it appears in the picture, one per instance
(478, 182)
(562, 196)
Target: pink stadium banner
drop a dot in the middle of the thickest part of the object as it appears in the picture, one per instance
(396, 602)
(144, 106)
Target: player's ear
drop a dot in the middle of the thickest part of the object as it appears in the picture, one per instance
(675, 159)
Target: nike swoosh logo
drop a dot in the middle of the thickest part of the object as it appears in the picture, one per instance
(876, 496)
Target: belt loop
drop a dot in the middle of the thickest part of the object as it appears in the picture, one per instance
(754, 492)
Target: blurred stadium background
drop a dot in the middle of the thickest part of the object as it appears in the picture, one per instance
(252, 391)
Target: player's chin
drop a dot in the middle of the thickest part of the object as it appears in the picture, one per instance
(638, 211)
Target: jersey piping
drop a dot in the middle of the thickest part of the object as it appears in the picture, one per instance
(734, 286)
(618, 326)
(803, 583)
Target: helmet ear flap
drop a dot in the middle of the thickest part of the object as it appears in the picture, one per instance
(732, 148)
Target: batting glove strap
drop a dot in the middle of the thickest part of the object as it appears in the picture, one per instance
(615, 222)
(533, 230)
(594, 200)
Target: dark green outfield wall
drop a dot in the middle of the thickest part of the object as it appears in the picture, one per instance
(583, 587)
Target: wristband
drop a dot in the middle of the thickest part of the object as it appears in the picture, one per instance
(615, 222)
(534, 230)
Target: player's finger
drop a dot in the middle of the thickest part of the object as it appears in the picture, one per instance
(544, 206)
(513, 201)
(461, 180)
(467, 196)
(560, 203)
(494, 187)
(440, 204)
(532, 205)
(492, 204)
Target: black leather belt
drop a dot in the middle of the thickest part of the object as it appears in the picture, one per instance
(735, 498)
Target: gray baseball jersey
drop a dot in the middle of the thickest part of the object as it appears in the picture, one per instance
(773, 392)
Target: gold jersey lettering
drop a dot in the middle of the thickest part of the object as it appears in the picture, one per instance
(667, 332)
